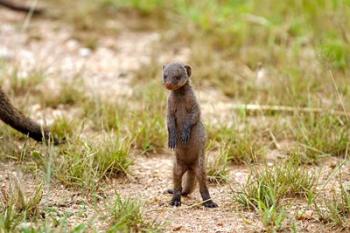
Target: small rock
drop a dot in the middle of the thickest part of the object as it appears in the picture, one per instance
(5, 54)
(25, 226)
(177, 228)
(333, 164)
(305, 215)
(346, 186)
(84, 52)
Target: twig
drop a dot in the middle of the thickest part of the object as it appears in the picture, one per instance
(338, 93)
(31, 11)
(277, 145)
(287, 109)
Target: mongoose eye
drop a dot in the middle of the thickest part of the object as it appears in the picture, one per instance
(178, 77)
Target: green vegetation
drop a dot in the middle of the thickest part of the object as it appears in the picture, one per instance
(70, 93)
(22, 84)
(266, 190)
(321, 135)
(239, 146)
(275, 183)
(15, 204)
(126, 216)
(218, 168)
(83, 164)
(336, 211)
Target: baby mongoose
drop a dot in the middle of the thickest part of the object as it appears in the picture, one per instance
(186, 134)
(11, 116)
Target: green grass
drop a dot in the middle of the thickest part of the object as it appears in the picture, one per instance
(218, 168)
(16, 206)
(63, 128)
(321, 135)
(253, 22)
(298, 41)
(240, 146)
(15, 151)
(148, 132)
(105, 115)
(335, 211)
(265, 191)
(84, 164)
(147, 124)
(70, 93)
(336, 53)
(275, 183)
(22, 84)
(126, 216)
(21, 211)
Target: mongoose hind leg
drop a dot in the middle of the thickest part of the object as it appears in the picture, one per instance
(178, 172)
(203, 189)
(189, 184)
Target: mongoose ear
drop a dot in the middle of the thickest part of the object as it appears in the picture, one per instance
(188, 70)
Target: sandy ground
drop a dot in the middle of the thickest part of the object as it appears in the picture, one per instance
(107, 71)
(150, 177)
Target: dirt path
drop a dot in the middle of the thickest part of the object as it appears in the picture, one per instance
(153, 177)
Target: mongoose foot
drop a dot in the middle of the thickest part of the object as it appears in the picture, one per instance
(171, 191)
(186, 136)
(172, 142)
(175, 202)
(210, 204)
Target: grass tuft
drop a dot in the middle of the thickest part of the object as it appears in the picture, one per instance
(322, 135)
(270, 186)
(240, 146)
(265, 190)
(218, 170)
(84, 164)
(16, 206)
(336, 211)
(127, 216)
(70, 93)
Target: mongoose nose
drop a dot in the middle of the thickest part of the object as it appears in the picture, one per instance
(169, 86)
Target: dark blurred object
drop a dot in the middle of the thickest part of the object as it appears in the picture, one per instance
(20, 8)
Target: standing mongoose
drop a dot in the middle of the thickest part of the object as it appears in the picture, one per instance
(11, 116)
(186, 134)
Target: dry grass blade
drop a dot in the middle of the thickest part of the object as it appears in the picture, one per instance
(285, 109)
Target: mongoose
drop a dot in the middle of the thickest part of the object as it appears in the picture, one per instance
(20, 8)
(186, 134)
(11, 116)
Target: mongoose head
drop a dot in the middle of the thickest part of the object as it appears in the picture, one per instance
(176, 75)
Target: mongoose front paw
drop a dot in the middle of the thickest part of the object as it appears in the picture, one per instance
(210, 204)
(172, 143)
(186, 134)
(175, 202)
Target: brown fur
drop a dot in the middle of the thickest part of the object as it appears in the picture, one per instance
(14, 118)
(186, 134)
